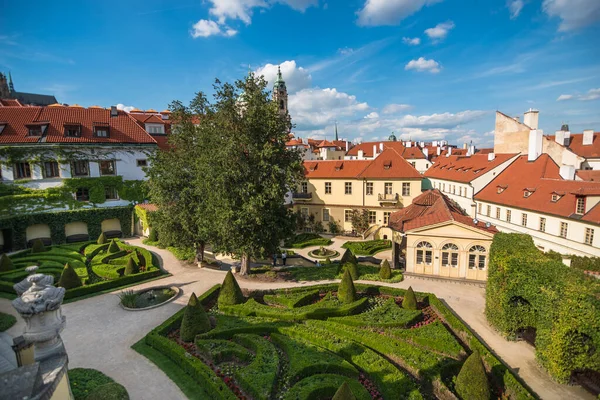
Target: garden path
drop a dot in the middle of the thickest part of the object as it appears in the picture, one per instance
(99, 333)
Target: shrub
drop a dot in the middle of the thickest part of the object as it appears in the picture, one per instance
(153, 236)
(195, 320)
(472, 382)
(128, 298)
(344, 393)
(346, 290)
(102, 239)
(6, 321)
(6, 264)
(348, 257)
(385, 272)
(131, 267)
(230, 291)
(69, 278)
(114, 247)
(38, 246)
(85, 380)
(328, 260)
(109, 391)
(352, 268)
(409, 301)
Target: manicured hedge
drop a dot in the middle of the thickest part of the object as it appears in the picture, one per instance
(368, 248)
(292, 300)
(324, 386)
(112, 284)
(306, 240)
(258, 378)
(385, 315)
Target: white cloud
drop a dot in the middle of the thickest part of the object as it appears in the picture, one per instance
(206, 28)
(412, 41)
(299, 5)
(243, 9)
(515, 7)
(564, 97)
(422, 64)
(440, 31)
(345, 51)
(314, 107)
(372, 115)
(396, 108)
(574, 14)
(295, 77)
(592, 94)
(389, 12)
(124, 107)
(444, 120)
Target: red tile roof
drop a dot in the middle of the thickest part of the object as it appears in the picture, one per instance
(464, 168)
(10, 103)
(326, 143)
(430, 208)
(577, 147)
(335, 169)
(589, 175)
(543, 176)
(412, 152)
(148, 118)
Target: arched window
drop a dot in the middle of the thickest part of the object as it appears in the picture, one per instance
(424, 253)
(450, 255)
(477, 257)
(281, 105)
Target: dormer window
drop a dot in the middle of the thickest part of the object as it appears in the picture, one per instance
(580, 206)
(72, 130)
(101, 130)
(500, 189)
(387, 164)
(155, 129)
(528, 192)
(556, 197)
(478, 170)
(2, 126)
(35, 130)
(338, 165)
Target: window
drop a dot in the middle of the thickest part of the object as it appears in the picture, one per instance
(524, 219)
(443, 187)
(450, 255)
(304, 187)
(580, 208)
(101, 131)
(386, 217)
(348, 188)
(488, 210)
(478, 208)
(526, 193)
(372, 217)
(142, 163)
(107, 167)
(542, 224)
(414, 164)
(82, 194)
(51, 169)
(155, 129)
(497, 212)
(347, 215)
(406, 189)
(453, 189)
(110, 193)
(72, 130)
(327, 187)
(22, 170)
(424, 253)
(35, 130)
(500, 189)
(564, 228)
(508, 215)
(589, 236)
(388, 188)
(555, 197)
(326, 215)
(369, 188)
(477, 257)
(79, 168)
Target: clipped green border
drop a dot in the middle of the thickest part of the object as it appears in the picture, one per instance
(336, 254)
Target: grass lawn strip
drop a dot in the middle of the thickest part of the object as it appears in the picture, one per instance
(6, 321)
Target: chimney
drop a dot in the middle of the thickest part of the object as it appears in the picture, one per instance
(449, 152)
(434, 143)
(408, 144)
(491, 156)
(426, 152)
(567, 172)
(374, 150)
(588, 137)
(471, 150)
(439, 150)
(422, 144)
(361, 155)
(346, 147)
(465, 146)
(567, 140)
(113, 111)
(559, 137)
(531, 118)
(535, 144)
(516, 119)
(380, 147)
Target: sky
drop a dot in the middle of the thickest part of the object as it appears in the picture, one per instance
(422, 69)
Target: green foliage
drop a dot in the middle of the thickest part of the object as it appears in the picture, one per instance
(334, 227)
(324, 386)
(127, 190)
(195, 320)
(348, 257)
(433, 336)
(84, 381)
(128, 298)
(131, 267)
(344, 393)
(153, 236)
(6, 321)
(230, 293)
(368, 248)
(114, 247)
(109, 391)
(585, 263)
(409, 301)
(258, 378)
(5, 263)
(102, 239)
(306, 240)
(382, 315)
(292, 300)
(69, 278)
(352, 268)
(472, 382)
(38, 246)
(385, 272)
(360, 220)
(346, 290)
(328, 260)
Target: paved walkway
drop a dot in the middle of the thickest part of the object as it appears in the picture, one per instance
(99, 333)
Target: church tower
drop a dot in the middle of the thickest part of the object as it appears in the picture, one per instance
(280, 94)
(4, 89)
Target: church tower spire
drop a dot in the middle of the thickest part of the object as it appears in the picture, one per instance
(280, 95)
(11, 87)
(4, 91)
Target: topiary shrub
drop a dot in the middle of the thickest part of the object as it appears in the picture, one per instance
(352, 268)
(385, 272)
(102, 239)
(410, 301)
(114, 247)
(472, 382)
(346, 290)
(141, 258)
(328, 260)
(6, 264)
(153, 236)
(69, 278)
(195, 320)
(131, 267)
(38, 246)
(230, 293)
(348, 257)
(344, 393)
(109, 391)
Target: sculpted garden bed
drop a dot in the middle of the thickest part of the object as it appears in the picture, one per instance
(308, 343)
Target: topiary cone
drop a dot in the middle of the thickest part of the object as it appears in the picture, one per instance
(230, 293)
(195, 320)
(346, 257)
(385, 272)
(472, 382)
(344, 393)
(131, 267)
(328, 260)
(38, 246)
(114, 247)
(69, 278)
(6, 264)
(346, 290)
(353, 269)
(410, 301)
(102, 239)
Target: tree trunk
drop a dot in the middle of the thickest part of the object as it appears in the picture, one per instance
(245, 265)
(200, 253)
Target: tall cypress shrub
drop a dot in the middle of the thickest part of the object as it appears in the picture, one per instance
(346, 289)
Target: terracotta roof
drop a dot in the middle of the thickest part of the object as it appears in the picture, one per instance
(589, 175)
(389, 164)
(327, 168)
(412, 152)
(123, 128)
(148, 118)
(577, 147)
(326, 143)
(543, 175)
(463, 168)
(430, 208)
(295, 142)
(592, 215)
(162, 141)
(10, 103)
(148, 206)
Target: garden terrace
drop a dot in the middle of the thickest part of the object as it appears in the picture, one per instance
(367, 248)
(324, 272)
(303, 343)
(306, 240)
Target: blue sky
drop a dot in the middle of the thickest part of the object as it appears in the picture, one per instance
(425, 69)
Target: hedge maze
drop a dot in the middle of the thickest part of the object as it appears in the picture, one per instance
(305, 343)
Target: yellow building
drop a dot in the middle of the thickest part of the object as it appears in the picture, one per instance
(333, 189)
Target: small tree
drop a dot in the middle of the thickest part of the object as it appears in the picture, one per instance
(114, 247)
(360, 220)
(385, 272)
(410, 301)
(300, 221)
(352, 268)
(344, 393)
(346, 290)
(69, 278)
(153, 237)
(348, 257)
(6, 264)
(472, 382)
(38, 246)
(317, 227)
(102, 239)
(195, 320)
(334, 227)
(230, 291)
(328, 260)
(131, 267)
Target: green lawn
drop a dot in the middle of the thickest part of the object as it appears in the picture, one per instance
(6, 321)
(368, 248)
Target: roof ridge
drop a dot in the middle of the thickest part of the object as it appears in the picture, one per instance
(135, 121)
